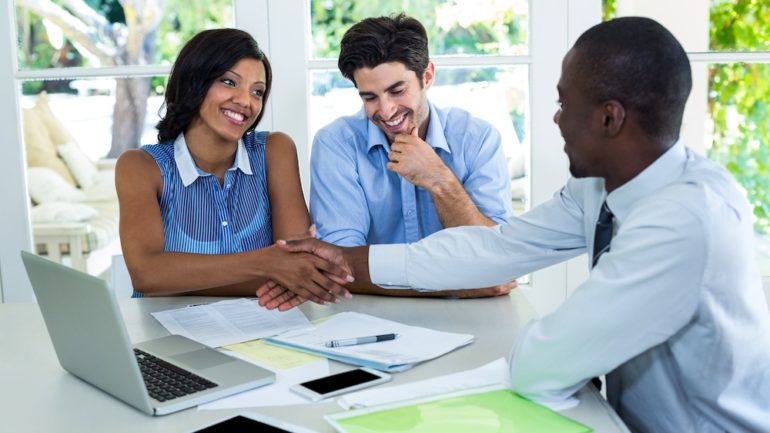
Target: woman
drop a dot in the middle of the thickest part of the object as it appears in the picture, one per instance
(199, 211)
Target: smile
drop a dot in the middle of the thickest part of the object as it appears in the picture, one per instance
(396, 123)
(234, 116)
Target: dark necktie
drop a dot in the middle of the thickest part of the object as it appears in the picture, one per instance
(603, 233)
(602, 238)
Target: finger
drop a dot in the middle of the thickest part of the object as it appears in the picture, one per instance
(291, 303)
(328, 270)
(415, 132)
(279, 299)
(312, 231)
(264, 289)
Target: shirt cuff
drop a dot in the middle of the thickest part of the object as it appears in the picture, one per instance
(387, 266)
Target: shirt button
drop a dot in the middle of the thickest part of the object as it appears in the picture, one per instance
(227, 186)
(410, 212)
(224, 223)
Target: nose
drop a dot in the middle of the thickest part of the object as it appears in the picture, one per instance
(242, 96)
(387, 108)
(556, 116)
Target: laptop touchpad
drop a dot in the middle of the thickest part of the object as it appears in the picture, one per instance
(203, 358)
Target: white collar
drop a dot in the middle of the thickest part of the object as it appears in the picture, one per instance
(189, 171)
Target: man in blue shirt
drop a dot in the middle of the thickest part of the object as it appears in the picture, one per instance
(402, 168)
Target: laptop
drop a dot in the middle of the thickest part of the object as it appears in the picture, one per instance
(91, 342)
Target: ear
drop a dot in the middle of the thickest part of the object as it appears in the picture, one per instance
(613, 118)
(428, 75)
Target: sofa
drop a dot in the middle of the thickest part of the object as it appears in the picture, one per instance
(73, 203)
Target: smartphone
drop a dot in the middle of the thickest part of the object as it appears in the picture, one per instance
(340, 383)
(252, 422)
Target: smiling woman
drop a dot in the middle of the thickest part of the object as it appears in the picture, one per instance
(200, 210)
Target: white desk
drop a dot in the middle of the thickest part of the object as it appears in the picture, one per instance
(37, 395)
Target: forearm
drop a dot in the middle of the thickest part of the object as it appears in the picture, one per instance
(358, 259)
(168, 273)
(454, 206)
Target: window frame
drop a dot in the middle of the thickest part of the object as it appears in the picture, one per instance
(554, 26)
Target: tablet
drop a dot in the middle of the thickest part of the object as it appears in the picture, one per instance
(251, 422)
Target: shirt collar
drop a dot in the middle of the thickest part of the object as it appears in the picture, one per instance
(435, 136)
(660, 173)
(189, 171)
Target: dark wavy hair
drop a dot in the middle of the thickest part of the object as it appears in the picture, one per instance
(636, 61)
(203, 59)
(374, 41)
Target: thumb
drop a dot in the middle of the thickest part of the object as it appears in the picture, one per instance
(415, 132)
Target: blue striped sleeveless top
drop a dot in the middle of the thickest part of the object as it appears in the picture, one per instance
(205, 217)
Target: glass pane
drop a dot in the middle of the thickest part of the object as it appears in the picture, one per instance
(68, 128)
(729, 124)
(83, 111)
(101, 36)
(481, 27)
(498, 95)
(714, 25)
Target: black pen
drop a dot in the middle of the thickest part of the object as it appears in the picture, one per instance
(360, 340)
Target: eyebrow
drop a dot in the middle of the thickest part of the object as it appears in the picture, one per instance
(241, 77)
(390, 88)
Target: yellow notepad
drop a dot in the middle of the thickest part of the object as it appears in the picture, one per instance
(487, 410)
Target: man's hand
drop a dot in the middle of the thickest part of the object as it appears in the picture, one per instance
(273, 294)
(417, 162)
(307, 275)
(502, 289)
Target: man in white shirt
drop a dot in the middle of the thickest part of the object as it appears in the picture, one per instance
(673, 310)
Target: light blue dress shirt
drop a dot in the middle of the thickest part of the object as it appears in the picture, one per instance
(356, 200)
(674, 312)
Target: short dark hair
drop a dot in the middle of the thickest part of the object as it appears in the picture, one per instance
(203, 59)
(639, 63)
(374, 41)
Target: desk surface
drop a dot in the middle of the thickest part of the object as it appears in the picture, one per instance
(37, 395)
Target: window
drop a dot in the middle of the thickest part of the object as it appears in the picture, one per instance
(728, 43)
(479, 49)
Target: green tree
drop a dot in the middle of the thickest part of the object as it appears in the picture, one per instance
(738, 100)
(117, 32)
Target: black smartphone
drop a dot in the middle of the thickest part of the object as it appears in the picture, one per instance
(340, 383)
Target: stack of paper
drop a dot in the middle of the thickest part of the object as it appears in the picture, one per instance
(229, 322)
(413, 344)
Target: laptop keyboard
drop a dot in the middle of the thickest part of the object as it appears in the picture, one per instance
(166, 381)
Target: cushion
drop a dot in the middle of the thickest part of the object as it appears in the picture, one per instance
(80, 165)
(41, 151)
(46, 185)
(62, 212)
(57, 131)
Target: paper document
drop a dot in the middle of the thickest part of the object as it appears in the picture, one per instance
(273, 357)
(229, 322)
(496, 372)
(277, 393)
(413, 345)
(486, 410)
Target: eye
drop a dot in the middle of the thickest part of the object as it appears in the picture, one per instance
(227, 81)
(368, 98)
(259, 93)
(397, 91)
(560, 104)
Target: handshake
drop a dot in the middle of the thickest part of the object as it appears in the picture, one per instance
(306, 269)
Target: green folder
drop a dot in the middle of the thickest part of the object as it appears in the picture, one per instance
(498, 411)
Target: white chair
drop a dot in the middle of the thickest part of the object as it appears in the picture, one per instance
(121, 280)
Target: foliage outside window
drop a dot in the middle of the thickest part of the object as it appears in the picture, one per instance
(98, 33)
(738, 97)
(455, 27)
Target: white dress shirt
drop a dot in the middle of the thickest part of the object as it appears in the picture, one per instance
(673, 313)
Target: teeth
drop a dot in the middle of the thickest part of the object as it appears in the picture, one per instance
(395, 122)
(235, 116)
